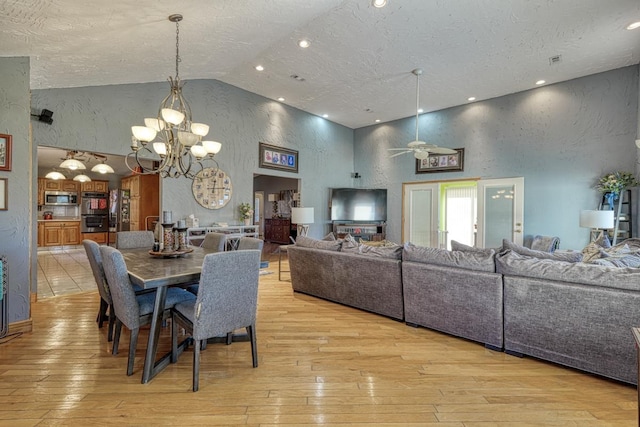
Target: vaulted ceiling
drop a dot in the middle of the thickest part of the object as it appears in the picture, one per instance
(358, 66)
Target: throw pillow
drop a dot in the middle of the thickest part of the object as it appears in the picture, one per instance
(349, 244)
(308, 242)
(457, 246)
(393, 252)
(591, 252)
(568, 257)
(329, 237)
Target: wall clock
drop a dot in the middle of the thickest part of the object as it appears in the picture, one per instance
(212, 188)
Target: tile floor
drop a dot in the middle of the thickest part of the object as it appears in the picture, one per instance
(64, 271)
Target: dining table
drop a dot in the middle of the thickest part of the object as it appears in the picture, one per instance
(158, 272)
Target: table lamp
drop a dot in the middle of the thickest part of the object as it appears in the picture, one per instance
(302, 217)
(596, 220)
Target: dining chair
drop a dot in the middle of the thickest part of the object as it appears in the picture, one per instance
(227, 301)
(134, 239)
(246, 243)
(95, 261)
(130, 309)
(214, 242)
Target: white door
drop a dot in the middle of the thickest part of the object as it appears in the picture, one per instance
(500, 211)
(420, 214)
(258, 211)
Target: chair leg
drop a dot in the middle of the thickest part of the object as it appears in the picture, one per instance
(196, 365)
(102, 312)
(229, 337)
(133, 342)
(116, 337)
(254, 348)
(112, 319)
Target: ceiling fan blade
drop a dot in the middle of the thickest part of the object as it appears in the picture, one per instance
(442, 150)
(398, 154)
(398, 149)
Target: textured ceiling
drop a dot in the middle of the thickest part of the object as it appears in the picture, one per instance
(358, 67)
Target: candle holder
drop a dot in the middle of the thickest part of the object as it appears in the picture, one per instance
(167, 237)
(181, 238)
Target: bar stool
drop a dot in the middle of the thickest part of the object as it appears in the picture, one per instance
(281, 249)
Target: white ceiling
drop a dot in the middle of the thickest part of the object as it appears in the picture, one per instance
(358, 67)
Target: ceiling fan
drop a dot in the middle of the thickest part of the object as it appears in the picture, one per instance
(420, 149)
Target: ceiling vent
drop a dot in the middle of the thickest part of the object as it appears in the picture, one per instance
(297, 77)
(555, 59)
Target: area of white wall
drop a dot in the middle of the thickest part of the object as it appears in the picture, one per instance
(561, 138)
(16, 223)
(100, 118)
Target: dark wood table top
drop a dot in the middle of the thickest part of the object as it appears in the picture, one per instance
(148, 271)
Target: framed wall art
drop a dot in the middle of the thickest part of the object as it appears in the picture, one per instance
(273, 157)
(441, 162)
(3, 194)
(5, 152)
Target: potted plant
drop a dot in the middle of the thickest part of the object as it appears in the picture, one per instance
(246, 213)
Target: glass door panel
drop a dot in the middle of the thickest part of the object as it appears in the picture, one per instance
(500, 211)
(420, 214)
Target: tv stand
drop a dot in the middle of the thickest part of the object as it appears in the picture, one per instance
(374, 231)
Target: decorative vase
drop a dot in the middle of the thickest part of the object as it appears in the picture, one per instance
(247, 221)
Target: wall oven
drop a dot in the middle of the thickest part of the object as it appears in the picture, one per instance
(94, 223)
(60, 198)
(94, 212)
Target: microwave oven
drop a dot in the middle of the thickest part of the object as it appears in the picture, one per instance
(60, 198)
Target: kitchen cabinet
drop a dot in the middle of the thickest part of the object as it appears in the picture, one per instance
(52, 185)
(61, 233)
(96, 186)
(70, 185)
(40, 234)
(60, 185)
(41, 184)
(144, 199)
(100, 238)
(277, 230)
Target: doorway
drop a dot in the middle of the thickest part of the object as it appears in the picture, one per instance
(274, 196)
(477, 213)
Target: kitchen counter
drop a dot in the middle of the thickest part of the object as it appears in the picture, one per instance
(58, 219)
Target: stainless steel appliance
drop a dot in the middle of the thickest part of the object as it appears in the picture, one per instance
(94, 212)
(60, 198)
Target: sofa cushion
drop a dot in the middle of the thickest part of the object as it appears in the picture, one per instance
(393, 252)
(329, 237)
(308, 242)
(457, 246)
(470, 260)
(349, 244)
(511, 263)
(568, 257)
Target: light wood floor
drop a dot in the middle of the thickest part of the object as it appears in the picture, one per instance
(320, 364)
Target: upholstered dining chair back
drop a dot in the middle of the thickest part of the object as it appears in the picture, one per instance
(247, 243)
(214, 242)
(95, 261)
(228, 296)
(122, 293)
(134, 239)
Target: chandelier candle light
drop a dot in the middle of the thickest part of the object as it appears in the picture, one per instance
(180, 146)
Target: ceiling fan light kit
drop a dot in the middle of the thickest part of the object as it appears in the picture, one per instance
(420, 149)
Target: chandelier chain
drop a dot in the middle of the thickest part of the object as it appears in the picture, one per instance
(177, 48)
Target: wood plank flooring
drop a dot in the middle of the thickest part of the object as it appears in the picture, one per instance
(320, 364)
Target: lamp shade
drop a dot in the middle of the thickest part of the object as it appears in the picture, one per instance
(596, 219)
(82, 178)
(55, 175)
(72, 164)
(273, 197)
(302, 215)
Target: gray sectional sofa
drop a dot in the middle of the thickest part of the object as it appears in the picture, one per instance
(552, 307)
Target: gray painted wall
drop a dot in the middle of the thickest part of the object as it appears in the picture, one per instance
(17, 223)
(560, 137)
(100, 119)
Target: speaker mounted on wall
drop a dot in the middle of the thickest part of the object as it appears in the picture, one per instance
(44, 116)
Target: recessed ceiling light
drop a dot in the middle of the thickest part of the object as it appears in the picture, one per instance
(633, 25)
(304, 43)
(281, 99)
(540, 82)
(471, 98)
(259, 68)
(325, 116)
(379, 3)
(420, 110)
(377, 120)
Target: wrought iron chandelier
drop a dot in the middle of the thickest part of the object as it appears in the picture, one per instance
(180, 146)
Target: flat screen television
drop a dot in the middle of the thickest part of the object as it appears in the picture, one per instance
(358, 204)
